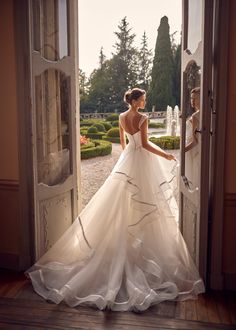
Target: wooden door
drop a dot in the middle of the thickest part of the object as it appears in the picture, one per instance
(54, 69)
(194, 178)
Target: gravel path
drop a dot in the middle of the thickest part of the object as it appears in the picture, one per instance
(94, 171)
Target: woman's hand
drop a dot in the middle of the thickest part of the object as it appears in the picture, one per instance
(170, 157)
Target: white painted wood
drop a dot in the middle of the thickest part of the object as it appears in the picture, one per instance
(55, 197)
(194, 202)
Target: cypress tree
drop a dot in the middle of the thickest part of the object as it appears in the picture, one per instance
(161, 87)
(177, 74)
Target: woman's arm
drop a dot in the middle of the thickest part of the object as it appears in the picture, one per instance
(146, 144)
(122, 135)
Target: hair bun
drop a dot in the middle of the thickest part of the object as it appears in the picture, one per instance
(133, 94)
(127, 96)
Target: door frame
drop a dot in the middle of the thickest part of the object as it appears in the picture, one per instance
(220, 88)
(21, 30)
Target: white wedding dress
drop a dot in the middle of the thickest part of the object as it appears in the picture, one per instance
(124, 251)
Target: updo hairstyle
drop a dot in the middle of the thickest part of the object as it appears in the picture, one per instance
(133, 94)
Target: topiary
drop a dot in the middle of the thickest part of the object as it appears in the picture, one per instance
(115, 123)
(107, 125)
(101, 148)
(112, 117)
(113, 132)
(100, 127)
(92, 129)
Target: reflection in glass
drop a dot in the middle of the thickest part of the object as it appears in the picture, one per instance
(194, 24)
(193, 72)
(52, 90)
(50, 33)
(192, 143)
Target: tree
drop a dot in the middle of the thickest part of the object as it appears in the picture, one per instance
(99, 87)
(83, 91)
(102, 59)
(161, 87)
(123, 67)
(177, 74)
(145, 60)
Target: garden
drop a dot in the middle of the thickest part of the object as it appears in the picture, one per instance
(97, 136)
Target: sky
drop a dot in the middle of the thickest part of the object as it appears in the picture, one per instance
(99, 19)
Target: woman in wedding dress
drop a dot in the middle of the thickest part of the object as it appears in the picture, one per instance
(192, 144)
(124, 251)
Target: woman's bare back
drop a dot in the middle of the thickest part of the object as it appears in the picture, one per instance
(130, 121)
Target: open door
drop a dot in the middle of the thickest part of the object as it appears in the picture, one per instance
(53, 55)
(194, 179)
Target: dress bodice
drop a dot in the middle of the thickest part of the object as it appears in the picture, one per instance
(189, 126)
(134, 140)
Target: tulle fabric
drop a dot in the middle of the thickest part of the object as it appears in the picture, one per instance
(124, 251)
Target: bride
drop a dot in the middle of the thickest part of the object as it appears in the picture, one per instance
(124, 251)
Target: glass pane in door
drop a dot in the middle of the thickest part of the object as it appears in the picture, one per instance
(52, 94)
(50, 28)
(192, 138)
(194, 25)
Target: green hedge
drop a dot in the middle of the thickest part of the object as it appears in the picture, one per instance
(113, 132)
(100, 127)
(111, 139)
(101, 148)
(113, 117)
(97, 135)
(83, 131)
(167, 142)
(107, 125)
(156, 125)
(92, 129)
(87, 122)
(90, 144)
(115, 123)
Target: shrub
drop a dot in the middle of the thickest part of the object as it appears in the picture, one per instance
(111, 139)
(115, 123)
(86, 122)
(101, 148)
(83, 131)
(97, 135)
(156, 125)
(112, 117)
(167, 142)
(107, 125)
(100, 127)
(113, 132)
(92, 129)
(90, 144)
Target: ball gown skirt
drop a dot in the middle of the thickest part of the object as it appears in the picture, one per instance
(124, 251)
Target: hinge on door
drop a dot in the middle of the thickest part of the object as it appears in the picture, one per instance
(213, 112)
(210, 94)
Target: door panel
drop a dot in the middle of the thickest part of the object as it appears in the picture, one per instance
(54, 35)
(194, 179)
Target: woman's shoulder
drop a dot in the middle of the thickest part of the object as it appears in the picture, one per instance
(123, 114)
(143, 116)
